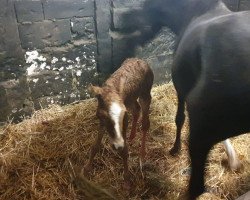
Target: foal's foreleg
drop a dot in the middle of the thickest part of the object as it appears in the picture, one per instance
(94, 149)
(145, 105)
(124, 154)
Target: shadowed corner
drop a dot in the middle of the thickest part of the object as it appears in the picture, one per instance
(136, 27)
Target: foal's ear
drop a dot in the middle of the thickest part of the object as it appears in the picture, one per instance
(95, 90)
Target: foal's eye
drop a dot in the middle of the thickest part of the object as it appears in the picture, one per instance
(102, 116)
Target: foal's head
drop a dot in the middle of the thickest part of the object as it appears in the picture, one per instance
(112, 114)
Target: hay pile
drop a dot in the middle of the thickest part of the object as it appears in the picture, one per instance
(42, 158)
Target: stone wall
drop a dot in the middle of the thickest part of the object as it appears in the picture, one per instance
(51, 50)
(48, 54)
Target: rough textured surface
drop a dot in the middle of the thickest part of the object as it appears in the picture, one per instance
(244, 5)
(83, 28)
(68, 9)
(128, 3)
(9, 39)
(29, 11)
(103, 23)
(233, 4)
(46, 33)
(159, 54)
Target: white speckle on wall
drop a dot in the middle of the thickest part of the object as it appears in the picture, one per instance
(41, 58)
(61, 68)
(63, 79)
(30, 56)
(72, 95)
(57, 77)
(14, 110)
(43, 65)
(72, 24)
(70, 67)
(47, 81)
(54, 60)
(78, 73)
(77, 59)
(35, 80)
(31, 68)
(64, 59)
(13, 74)
(47, 67)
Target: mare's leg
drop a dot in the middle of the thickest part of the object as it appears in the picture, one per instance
(233, 159)
(198, 150)
(179, 121)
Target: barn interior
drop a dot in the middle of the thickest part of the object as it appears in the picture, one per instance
(50, 52)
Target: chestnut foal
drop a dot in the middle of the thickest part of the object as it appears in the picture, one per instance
(128, 88)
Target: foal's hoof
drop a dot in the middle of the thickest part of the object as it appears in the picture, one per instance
(86, 170)
(127, 186)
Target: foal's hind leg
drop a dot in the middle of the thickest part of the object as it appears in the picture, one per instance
(135, 107)
(145, 105)
(179, 121)
(124, 154)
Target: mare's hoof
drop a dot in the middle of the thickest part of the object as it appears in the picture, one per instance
(174, 151)
(236, 166)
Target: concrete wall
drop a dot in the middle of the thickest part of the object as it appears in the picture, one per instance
(50, 50)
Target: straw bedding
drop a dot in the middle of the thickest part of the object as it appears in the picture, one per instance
(42, 158)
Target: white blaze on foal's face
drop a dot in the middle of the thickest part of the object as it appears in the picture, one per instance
(115, 112)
